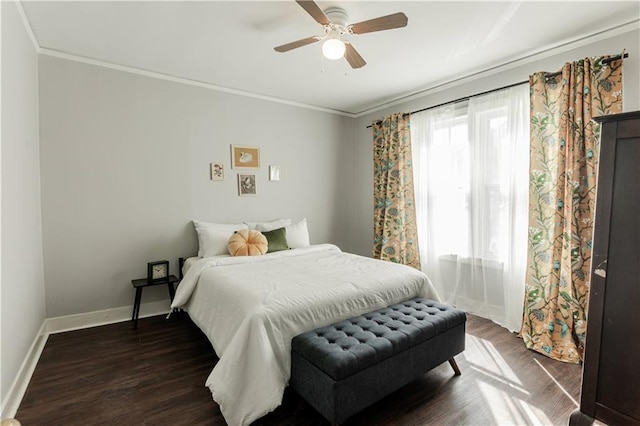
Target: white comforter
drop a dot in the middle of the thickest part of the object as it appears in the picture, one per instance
(251, 307)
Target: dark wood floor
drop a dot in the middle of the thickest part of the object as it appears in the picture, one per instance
(114, 375)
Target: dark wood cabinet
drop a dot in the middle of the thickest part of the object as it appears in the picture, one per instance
(611, 368)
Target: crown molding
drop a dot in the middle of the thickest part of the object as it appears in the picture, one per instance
(526, 58)
(187, 81)
(158, 75)
(27, 25)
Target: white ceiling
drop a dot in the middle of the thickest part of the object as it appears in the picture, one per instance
(230, 43)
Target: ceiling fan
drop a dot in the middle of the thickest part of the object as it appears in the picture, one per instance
(335, 23)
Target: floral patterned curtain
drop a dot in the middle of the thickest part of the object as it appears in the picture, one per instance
(394, 216)
(565, 147)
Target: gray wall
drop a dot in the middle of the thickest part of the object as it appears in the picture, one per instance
(361, 206)
(23, 295)
(125, 168)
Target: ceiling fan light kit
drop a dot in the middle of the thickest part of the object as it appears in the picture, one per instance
(333, 48)
(335, 23)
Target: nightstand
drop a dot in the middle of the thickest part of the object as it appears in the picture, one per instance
(141, 283)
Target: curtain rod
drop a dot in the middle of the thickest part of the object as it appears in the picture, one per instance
(466, 98)
(604, 61)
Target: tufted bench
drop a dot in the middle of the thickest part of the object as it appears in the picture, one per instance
(344, 367)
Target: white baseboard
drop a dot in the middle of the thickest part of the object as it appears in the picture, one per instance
(13, 398)
(107, 316)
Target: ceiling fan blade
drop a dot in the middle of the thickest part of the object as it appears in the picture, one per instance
(396, 20)
(353, 57)
(315, 12)
(296, 44)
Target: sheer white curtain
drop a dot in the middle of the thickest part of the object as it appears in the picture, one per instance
(471, 168)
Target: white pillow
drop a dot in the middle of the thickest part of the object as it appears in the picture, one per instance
(213, 238)
(298, 234)
(268, 226)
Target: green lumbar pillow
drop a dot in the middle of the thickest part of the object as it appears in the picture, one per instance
(277, 240)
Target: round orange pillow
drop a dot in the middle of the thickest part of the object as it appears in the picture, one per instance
(248, 243)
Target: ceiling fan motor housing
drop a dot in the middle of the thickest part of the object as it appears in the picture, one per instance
(338, 17)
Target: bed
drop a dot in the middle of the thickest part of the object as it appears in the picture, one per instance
(250, 308)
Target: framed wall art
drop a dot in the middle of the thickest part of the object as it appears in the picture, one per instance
(245, 157)
(217, 171)
(274, 173)
(246, 185)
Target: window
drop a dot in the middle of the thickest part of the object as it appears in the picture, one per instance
(471, 179)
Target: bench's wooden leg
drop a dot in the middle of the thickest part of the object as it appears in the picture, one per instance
(454, 365)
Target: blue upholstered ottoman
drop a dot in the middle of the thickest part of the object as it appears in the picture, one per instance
(344, 367)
